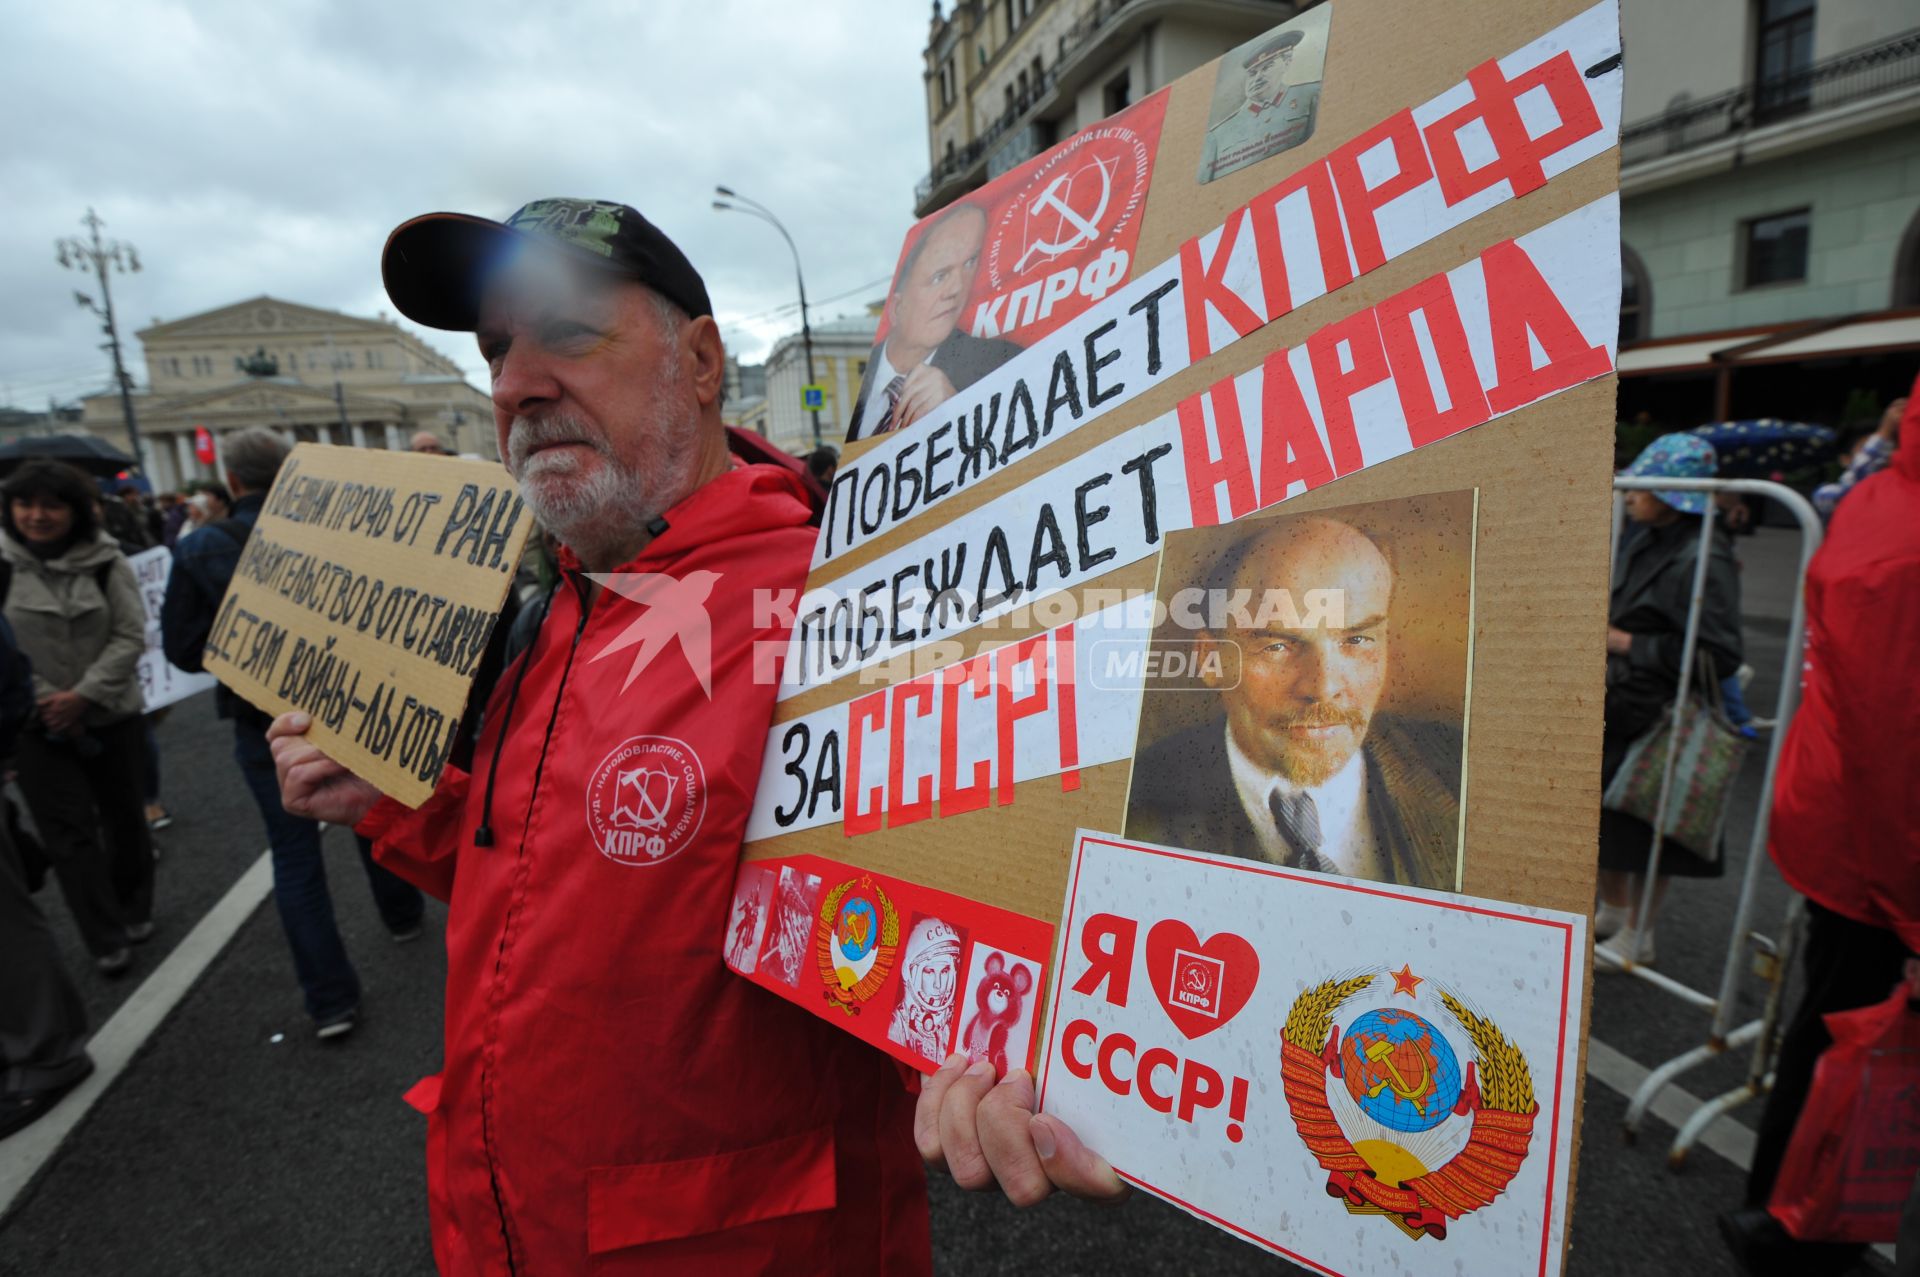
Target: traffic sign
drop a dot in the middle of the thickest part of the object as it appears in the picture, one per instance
(813, 398)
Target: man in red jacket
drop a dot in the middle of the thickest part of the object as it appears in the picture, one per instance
(1843, 829)
(613, 1099)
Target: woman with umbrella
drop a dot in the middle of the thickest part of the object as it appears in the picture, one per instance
(75, 607)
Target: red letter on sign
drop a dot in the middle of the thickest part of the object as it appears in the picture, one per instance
(1200, 1088)
(1110, 964)
(1012, 709)
(1263, 210)
(1078, 1031)
(1157, 1057)
(1290, 446)
(1361, 202)
(953, 799)
(1519, 301)
(1114, 1045)
(869, 709)
(1204, 472)
(1337, 386)
(1200, 287)
(1067, 711)
(899, 810)
(1518, 156)
(1467, 403)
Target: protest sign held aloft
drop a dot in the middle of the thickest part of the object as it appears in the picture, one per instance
(1261, 515)
(365, 597)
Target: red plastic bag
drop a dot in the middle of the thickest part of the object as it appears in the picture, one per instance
(1856, 1147)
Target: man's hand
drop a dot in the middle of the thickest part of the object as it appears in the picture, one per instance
(1619, 642)
(986, 1136)
(926, 389)
(311, 784)
(62, 712)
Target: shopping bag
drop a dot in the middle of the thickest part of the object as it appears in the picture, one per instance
(1856, 1146)
(1711, 751)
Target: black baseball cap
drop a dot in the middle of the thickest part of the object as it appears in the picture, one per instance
(436, 266)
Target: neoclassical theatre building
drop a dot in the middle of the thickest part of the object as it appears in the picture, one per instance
(316, 376)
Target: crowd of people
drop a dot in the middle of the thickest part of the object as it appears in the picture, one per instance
(621, 455)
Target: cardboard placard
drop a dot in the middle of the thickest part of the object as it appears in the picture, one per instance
(1360, 368)
(161, 682)
(365, 597)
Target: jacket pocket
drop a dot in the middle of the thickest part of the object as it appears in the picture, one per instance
(664, 1201)
(449, 1254)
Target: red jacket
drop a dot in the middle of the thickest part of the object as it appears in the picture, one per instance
(613, 1099)
(1846, 803)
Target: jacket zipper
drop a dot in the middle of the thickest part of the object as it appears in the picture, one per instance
(486, 1115)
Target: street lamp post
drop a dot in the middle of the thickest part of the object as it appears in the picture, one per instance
(753, 208)
(92, 253)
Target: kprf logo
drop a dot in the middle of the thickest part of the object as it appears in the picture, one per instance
(646, 799)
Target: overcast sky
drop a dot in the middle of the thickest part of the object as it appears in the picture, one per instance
(250, 148)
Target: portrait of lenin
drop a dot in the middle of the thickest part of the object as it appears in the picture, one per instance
(1319, 718)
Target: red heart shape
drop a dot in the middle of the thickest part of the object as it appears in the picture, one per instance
(1202, 986)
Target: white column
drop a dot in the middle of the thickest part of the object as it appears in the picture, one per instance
(183, 453)
(359, 433)
(159, 467)
(394, 441)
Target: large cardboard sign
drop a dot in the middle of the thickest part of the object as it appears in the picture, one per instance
(365, 597)
(1289, 545)
(161, 682)
(1363, 1079)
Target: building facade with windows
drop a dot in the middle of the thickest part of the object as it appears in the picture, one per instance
(1006, 79)
(841, 348)
(1770, 208)
(316, 376)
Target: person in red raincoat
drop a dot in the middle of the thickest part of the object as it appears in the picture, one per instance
(1845, 829)
(612, 1099)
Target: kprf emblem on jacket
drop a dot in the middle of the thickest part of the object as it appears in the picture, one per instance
(645, 800)
(855, 940)
(1387, 1110)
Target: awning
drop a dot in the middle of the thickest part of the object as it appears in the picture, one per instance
(1844, 335)
(1675, 357)
(1892, 332)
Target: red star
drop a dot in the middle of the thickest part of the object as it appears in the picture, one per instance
(1405, 981)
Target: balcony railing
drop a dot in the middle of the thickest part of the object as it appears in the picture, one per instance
(1098, 16)
(1847, 77)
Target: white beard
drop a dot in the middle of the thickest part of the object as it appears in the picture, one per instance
(608, 507)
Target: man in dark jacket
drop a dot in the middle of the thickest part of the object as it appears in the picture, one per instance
(203, 565)
(926, 358)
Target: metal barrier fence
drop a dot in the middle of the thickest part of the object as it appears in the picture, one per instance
(1772, 958)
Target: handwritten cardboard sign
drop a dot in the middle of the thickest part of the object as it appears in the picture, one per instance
(1286, 392)
(1360, 1078)
(161, 682)
(365, 597)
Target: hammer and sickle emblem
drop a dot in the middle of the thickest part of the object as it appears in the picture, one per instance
(1380, 1053)
(1085, 229)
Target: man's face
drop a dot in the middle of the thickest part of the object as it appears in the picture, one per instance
(1307, 691)
(592, 402)
(928, 302)
(1267, 77)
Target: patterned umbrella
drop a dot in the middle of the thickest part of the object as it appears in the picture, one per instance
(1760, 448)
